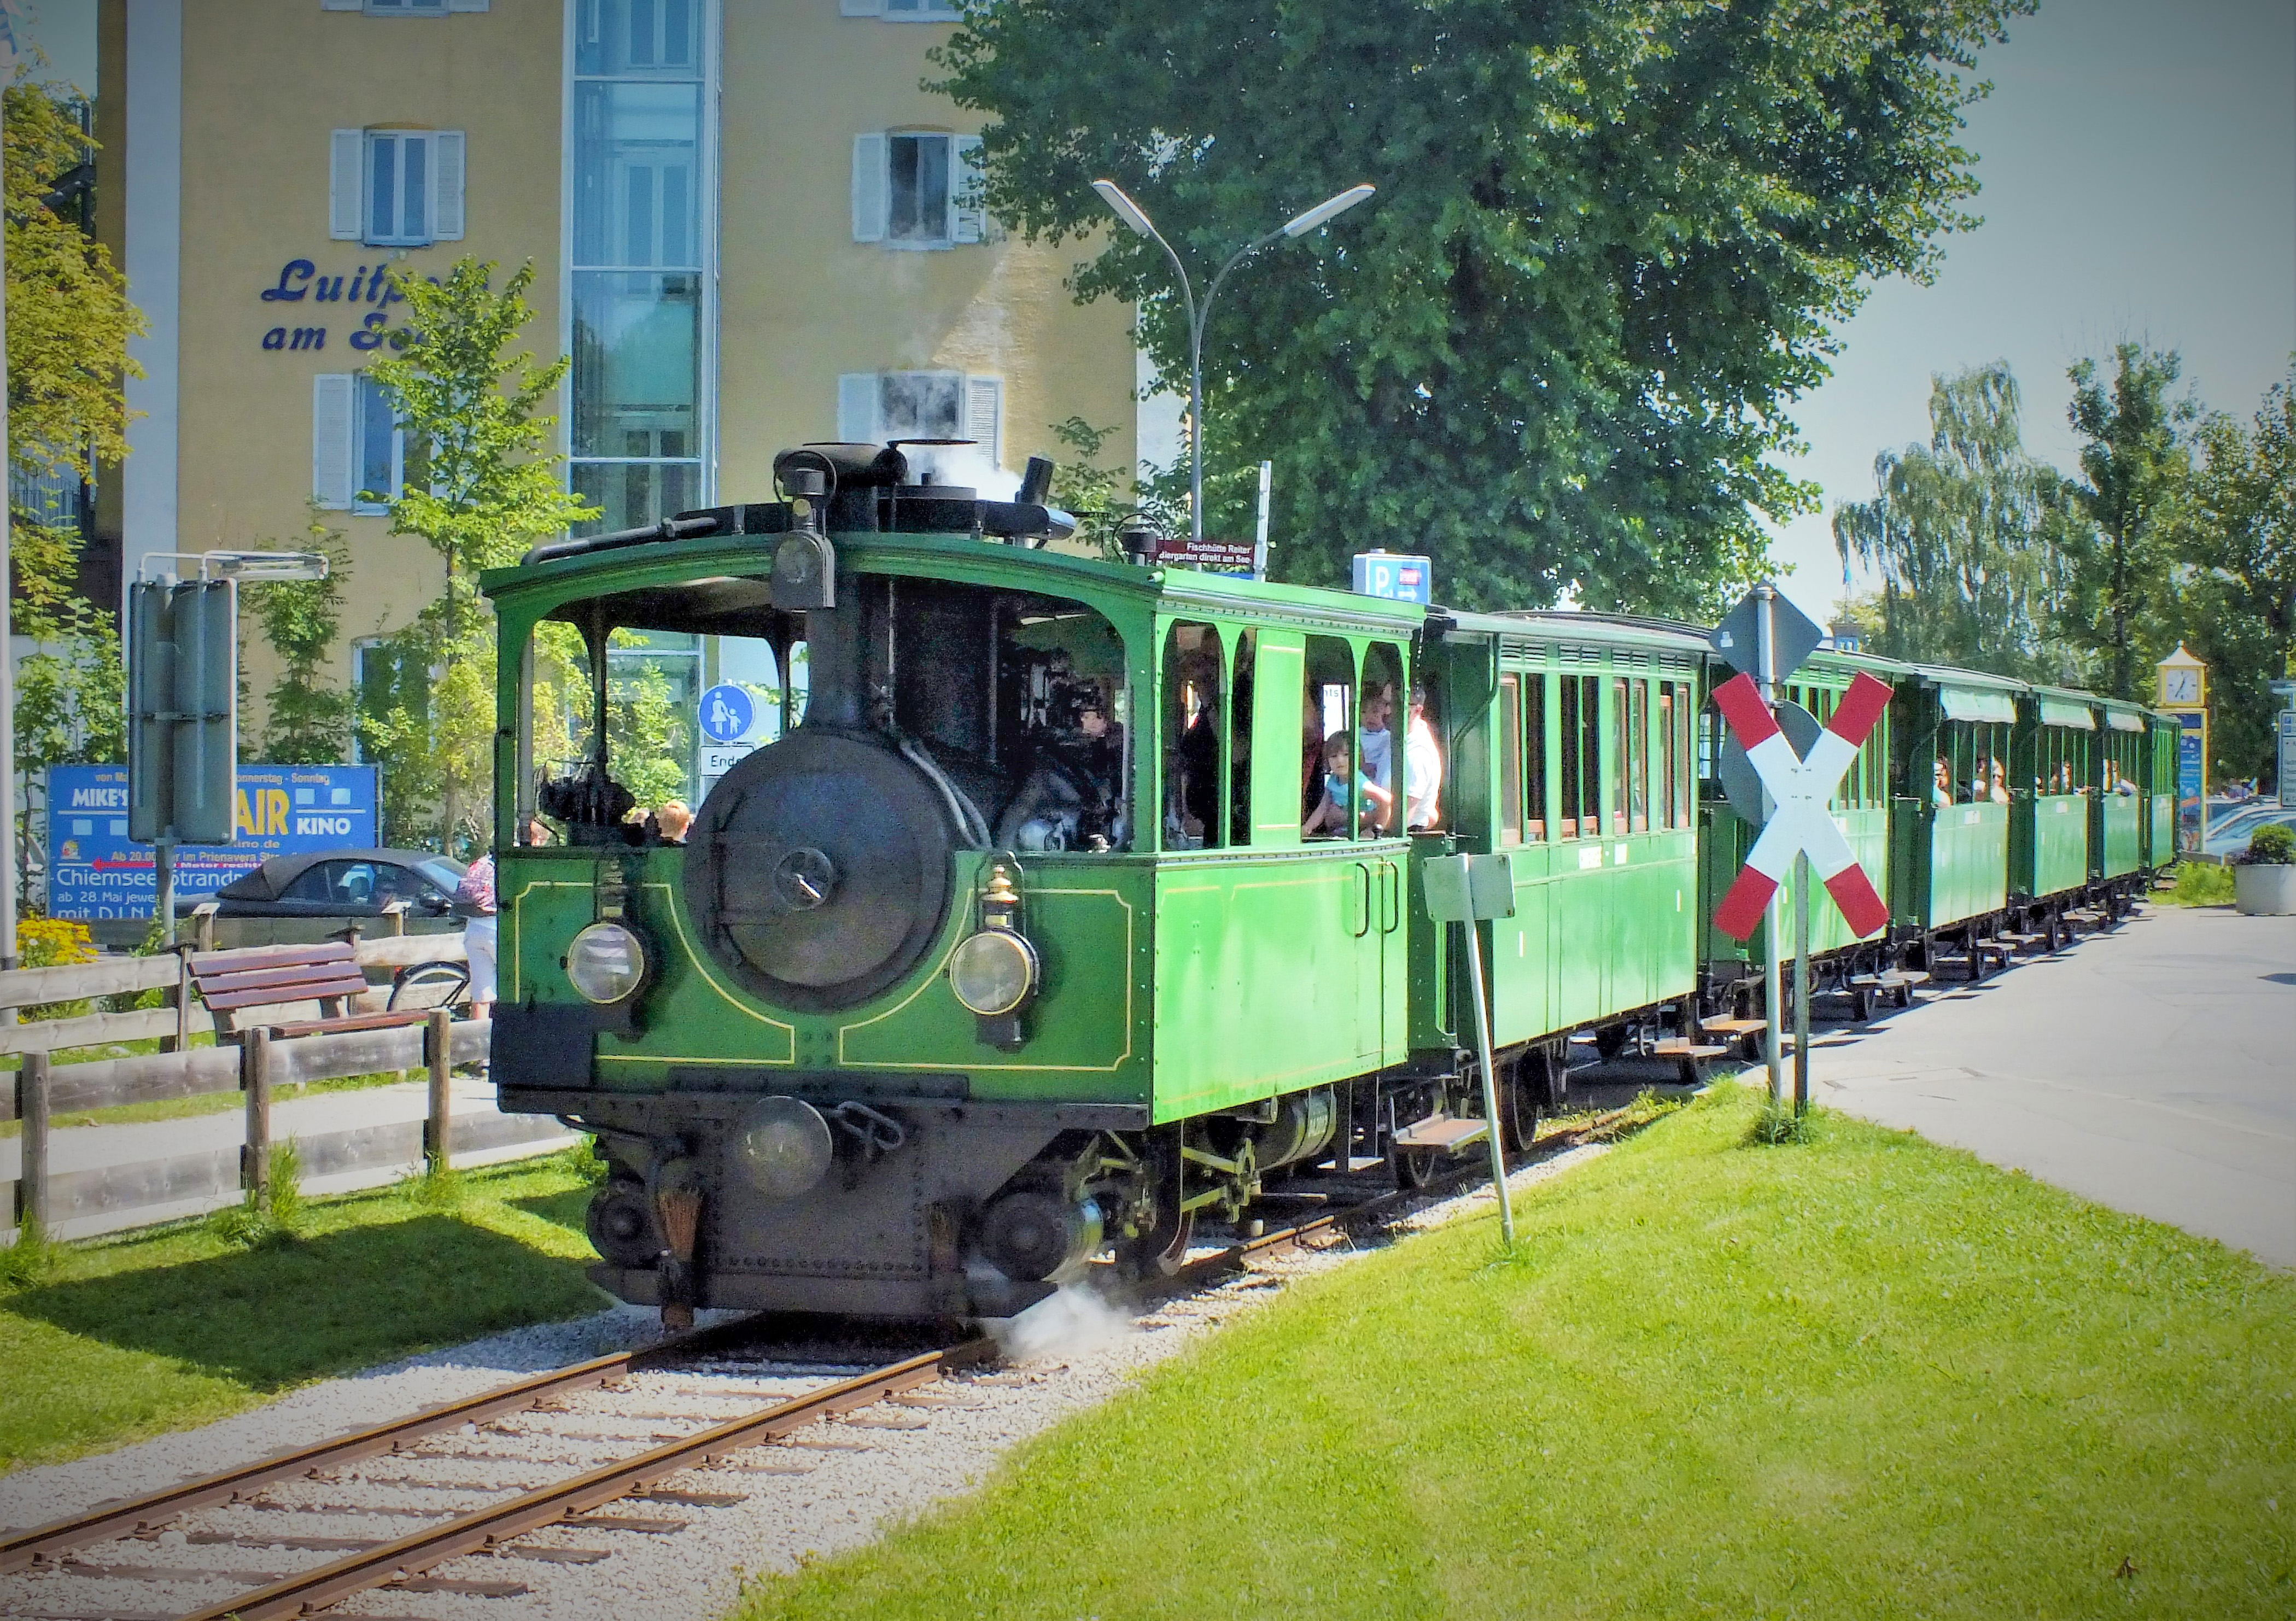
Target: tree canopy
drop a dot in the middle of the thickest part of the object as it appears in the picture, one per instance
(1966, 535)
(1611, 240)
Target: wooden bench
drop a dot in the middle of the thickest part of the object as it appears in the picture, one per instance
(1688, 1055)
(239, 986)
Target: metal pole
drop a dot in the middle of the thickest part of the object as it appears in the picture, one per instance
(1490, 1081)
(1260, 541)
(163, 865)
(1766, 676)
(1802, 987)
(7, 659)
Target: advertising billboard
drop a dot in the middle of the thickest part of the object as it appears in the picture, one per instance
(96, 870)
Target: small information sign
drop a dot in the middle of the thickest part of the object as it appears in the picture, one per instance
(1220, 556)
(2287, 722)
(1395, 576)
(96, 870)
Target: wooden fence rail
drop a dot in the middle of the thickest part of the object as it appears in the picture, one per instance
(255, 1067)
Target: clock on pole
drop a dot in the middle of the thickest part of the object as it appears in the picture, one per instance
(2184, 692)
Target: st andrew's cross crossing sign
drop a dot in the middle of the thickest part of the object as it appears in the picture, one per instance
(1799, 788)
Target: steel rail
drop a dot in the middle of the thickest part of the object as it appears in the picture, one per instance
(502, 1522)
(108, 1521)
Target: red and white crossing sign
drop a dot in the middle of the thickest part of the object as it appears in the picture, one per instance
(1799, 789)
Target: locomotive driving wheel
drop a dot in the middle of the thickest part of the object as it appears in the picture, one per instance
(1158, 1244)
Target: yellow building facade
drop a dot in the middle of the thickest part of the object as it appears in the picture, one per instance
(751, 227)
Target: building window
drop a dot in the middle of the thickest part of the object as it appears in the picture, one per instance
(639, 247)
(390, 692)
(407, 8)
(358, 450)
(917, 190)
(878, 407)
(902, 11)
(396, 187)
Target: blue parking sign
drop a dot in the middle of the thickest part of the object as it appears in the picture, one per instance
(727, 713)
(1395, 576)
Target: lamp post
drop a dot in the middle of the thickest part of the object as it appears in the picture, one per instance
(1299, 224)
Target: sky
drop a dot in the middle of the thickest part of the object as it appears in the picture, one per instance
(2138, 167)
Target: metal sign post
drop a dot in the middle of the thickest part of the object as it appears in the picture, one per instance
(1464, 889)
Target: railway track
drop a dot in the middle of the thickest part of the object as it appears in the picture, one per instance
(418, 1467)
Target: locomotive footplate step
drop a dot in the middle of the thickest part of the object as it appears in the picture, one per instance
(1441, 1132)
(1731, 1027)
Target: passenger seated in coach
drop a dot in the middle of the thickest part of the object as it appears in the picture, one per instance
(674, 818)
(2000, 795)
(1375, 746)
(1941, 783)
(1342, 786)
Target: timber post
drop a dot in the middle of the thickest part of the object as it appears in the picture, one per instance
(255, 1080)
(438, 1056)
(32, 1176)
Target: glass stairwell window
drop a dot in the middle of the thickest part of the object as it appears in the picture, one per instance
(638, 258)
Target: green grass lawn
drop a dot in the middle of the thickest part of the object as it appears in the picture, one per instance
(1858, 1377)
(126, 1338)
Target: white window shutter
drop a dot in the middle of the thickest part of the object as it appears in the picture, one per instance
(332, 448)
(968, 218)
(869, 202)
(447, 185)
(857, 408)
(984, 402)
(860, 8)
(346, 188)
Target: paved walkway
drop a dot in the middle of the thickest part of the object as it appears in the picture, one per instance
(2152, 1070)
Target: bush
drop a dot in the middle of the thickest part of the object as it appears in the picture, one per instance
(52, 943)
(2273, 846)
(2201, 883)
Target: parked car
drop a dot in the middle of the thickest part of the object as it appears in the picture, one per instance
(2230, 837)
(294, 899)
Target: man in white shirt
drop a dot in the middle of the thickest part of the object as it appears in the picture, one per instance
(1423, 766)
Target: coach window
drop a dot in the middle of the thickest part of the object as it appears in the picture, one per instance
(1510, 759)
(1582, 758)
(1669, 729)
(1620, 758)
(1381, 715)
(1327, 720)
(1195, 715)
(1638, 756)
(1239, 735)
(1534, 755)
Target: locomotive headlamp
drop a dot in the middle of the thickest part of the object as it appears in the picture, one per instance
(783, 1147)
(993, 972)
(607, 963)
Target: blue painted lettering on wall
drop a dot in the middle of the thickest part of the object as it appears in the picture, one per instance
(300, 279)
(95, 871)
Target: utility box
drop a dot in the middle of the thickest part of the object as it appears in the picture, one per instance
(183, 711)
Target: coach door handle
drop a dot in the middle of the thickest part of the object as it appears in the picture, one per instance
(1363, 901)
(1391, 897)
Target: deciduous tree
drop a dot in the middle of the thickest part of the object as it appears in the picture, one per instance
(1965, 533)
(1611, 240)
(2235, 533)
(483, 485)
(2134, 462)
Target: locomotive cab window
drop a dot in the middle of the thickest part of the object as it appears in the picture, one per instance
(1008, 709)
(1195, 724)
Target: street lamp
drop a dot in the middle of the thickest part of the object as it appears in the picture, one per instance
(1299, 224)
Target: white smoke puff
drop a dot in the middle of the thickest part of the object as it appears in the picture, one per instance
(1070, 1322)
(967, 465)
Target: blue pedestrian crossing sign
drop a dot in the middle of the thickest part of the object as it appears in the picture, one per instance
(728, 714)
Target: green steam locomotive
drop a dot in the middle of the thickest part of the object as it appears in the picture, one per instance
(1068, 904)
